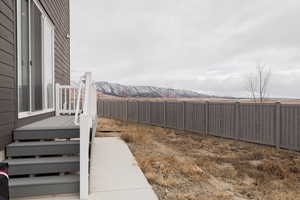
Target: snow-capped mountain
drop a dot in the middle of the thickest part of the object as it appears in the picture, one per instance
(119, 90)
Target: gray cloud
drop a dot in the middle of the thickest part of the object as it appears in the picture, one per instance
(208, 46)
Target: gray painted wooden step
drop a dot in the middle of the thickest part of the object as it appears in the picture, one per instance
(42, 148)
(43, 165)
(22, 187)
(46, 134)
(57, 122)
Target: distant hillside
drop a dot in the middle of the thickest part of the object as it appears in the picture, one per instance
(119, 90)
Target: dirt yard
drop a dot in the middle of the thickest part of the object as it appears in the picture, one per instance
(188, 166)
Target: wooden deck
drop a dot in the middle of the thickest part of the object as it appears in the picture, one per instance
(56, 122)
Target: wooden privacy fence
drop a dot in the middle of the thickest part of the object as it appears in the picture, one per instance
(272, 124)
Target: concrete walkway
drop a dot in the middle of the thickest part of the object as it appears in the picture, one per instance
(115, 174)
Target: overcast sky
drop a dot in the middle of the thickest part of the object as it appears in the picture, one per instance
(209, 46)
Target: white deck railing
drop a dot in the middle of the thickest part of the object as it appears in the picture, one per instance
(87, 122)
(82, 102)
(67, 99)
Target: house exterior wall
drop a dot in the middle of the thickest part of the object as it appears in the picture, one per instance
(58, 10)
(7, 70)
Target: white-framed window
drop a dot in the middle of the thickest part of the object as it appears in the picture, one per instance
(35, 33)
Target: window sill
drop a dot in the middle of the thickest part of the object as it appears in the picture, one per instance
(30, 114)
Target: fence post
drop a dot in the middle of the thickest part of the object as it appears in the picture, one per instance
(138, 114)
(207, 117)
(149, 112)
(99, 108)
(109, 108)
(183, 115)
(237, 120)
(126, 107)
(277, 124)
(103, 113)
(165, 114)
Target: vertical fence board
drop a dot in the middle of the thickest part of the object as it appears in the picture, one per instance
(195, 117)
(290, 133)
(157, 113)
(257, 122)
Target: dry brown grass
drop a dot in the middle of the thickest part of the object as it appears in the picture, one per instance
(135, 137)
(183, 165)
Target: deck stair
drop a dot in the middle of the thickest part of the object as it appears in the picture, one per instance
(44, 158)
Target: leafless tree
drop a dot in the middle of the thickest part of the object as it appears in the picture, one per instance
(251, 86)
(257, 84)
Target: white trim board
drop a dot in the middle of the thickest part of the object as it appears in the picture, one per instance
(22, 115)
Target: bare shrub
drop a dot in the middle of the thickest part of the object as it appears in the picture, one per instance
(272, 169)
(135, 137)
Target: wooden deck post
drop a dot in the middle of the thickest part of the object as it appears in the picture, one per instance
(84, 156)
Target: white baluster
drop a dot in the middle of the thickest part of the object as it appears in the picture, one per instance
(57, 102)
(69, 102)
(74, 100)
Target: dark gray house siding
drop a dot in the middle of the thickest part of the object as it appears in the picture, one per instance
(58, 10)
(7, 70)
